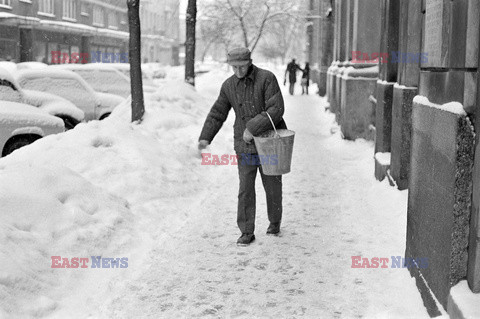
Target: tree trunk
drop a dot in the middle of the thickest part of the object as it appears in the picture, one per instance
(138, 108)
(191, 19)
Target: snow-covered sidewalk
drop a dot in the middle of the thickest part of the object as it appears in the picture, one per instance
(183, 260)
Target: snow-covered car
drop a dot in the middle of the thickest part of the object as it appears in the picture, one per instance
(154, 70)
(48, 103)
(147, 81)
(71, 86)
(9, 66)
(31, 65)
(102, 77)
(23, 124)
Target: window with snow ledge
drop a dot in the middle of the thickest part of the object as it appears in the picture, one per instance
(84, 10)
(98, 16)
(112, 21)
(70, 10)
(7, 4)
(46, 7)
(26, 1)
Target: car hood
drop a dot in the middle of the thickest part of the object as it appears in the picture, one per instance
(24, 114)
(53, 104)
(108, 100)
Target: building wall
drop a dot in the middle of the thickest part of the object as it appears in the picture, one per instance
(26, 34)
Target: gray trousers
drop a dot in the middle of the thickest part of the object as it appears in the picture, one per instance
(246, 196)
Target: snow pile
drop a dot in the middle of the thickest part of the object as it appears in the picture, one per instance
(73, 194)
(118, 156)
(51, 212)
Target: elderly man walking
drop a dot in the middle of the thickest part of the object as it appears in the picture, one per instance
(251, 92)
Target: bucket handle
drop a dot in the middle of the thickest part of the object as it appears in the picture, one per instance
(276, 133)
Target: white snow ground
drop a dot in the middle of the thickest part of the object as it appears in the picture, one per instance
(116, 189)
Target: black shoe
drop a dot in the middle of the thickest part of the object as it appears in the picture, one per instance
(273, 229)
(245, 239)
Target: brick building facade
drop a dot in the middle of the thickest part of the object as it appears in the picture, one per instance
(31, 30)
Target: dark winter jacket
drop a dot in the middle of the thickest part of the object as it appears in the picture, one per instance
(292, 69)
(258, 92)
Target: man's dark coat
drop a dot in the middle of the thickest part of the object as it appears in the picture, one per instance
(258, 92)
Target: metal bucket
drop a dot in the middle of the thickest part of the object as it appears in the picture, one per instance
(275, 149)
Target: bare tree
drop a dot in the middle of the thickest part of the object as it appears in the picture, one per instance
(191, 19)
(138, 108)
(243, 21)
(283, 36)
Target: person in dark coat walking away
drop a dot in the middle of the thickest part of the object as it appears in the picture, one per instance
(292, 69)
(252, 92)
(305, 78)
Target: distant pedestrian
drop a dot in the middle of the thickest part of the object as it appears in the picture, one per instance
(292, 69)
(305, 79)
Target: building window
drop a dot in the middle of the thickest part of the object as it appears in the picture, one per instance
(69, 9)
(46, 6)
(112, 20)
(84, 10)
(98, 16)
(5, 3)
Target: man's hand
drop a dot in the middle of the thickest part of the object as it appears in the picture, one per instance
(202, 144)
(247, 136)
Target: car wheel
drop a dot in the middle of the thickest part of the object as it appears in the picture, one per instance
(17, 142)
(104, 116)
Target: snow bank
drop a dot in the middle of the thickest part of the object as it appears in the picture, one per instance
(74, 195)
(51, 212)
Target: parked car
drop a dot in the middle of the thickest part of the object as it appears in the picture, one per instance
(48, 103)
(71, 86)
(23, 124)
(147, 81)
(9, 66)
(31, 65)
(102, 77)
(154, 70)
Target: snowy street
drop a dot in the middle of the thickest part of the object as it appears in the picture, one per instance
(181, 229)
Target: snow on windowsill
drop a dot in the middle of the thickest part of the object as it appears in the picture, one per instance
(403, 87)
(384, 82)
(45, 14)
(69, 19)
(452, 107)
